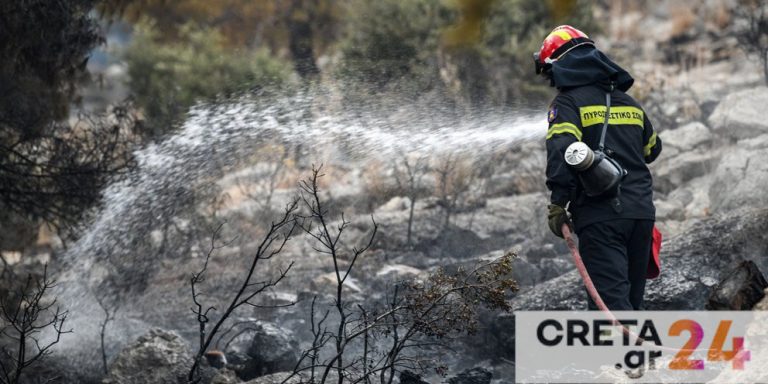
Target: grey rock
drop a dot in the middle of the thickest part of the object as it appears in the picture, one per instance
(682, 195)
(290, 378)
(225, 376)
(755, 142)
(159, 357)
(524, 216)
(260, 349)
(691, 136)
(673, 172)
(398, 271)
(669, 210)
(707, 107)
(699, 204)
(525, 273)
(519, 172)
(408, 377)
(740, 290)
(454, 242)
(236, 349)
(500, 223)
(327, 283)
(535, 252)
(277, 378)
(740, 180)
(551, 268)
(564, 292)
(395, 204)
(741, 114)
(472, 376)
(216, 359)
(672, 228)
(762, 305)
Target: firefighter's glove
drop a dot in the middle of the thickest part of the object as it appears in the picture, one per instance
(557, 217)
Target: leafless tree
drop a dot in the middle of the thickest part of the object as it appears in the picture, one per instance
(320, 337)
(482, 170)
(462, 182)
(753, 37)
(316, 225)
(109, 315)
(414, 316)
(261, 188)
(454, 180)
(25, 318)
(409, 179)
(271, 245)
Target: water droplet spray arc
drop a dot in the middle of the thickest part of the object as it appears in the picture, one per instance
(216, 136)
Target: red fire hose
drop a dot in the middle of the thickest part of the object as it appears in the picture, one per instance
(591, 286)
(584, 275)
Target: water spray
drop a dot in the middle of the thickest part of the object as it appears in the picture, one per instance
(210, 145)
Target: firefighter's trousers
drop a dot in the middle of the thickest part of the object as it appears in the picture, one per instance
(616, 254)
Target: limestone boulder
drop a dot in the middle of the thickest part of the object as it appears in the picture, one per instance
(158, 357)
(669, 210)
(472, 376)
(689, 137)
(262, 348)
(741, 114)
(740, 290)
(740, 179)
(673, 172)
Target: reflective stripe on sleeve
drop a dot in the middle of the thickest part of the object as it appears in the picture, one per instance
(650, 145)
(560, 128)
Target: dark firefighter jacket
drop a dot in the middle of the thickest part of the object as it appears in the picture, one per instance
(577, 114)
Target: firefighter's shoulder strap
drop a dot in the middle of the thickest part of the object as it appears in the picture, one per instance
(615, 201)
(601, 146)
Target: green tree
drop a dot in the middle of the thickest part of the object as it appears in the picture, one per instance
(478, 51)
(305, 27)
(166, 78)
(392, 44)
(44, 49)
(50, 169)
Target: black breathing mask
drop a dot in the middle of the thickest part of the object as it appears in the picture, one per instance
(544, 70)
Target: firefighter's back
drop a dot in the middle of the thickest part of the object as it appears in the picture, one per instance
(625, 142)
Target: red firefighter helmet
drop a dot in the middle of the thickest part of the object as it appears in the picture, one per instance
(561, 40)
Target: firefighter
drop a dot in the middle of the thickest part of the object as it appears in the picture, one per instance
(615, 227)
